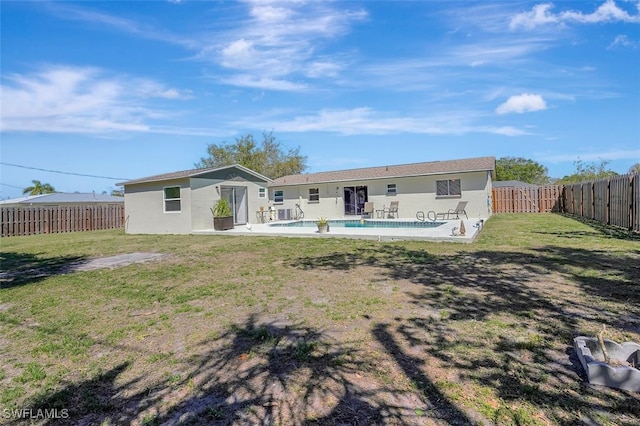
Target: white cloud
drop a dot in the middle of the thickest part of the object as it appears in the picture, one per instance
(80, 100)
(280, 42)
(323, 68)
(623, 40)
(367, 121)
(526, 102)
(75, 13)
(509, 131)
(541, 14)
(631, 154)
(265, 83)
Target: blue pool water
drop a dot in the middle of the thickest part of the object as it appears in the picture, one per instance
(357, 223)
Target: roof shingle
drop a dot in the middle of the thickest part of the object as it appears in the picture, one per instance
(189, 173)
(402, 170)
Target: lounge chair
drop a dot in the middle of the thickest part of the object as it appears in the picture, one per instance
(393, 210)
(367, 210)
(460, 208)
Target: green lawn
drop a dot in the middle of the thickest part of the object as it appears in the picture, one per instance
(247, 330)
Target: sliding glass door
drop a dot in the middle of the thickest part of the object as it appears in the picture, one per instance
(354, 199)
(237, 197)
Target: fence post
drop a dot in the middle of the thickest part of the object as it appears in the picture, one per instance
(608, 198)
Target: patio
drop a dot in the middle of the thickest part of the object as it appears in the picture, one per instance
(444, 232)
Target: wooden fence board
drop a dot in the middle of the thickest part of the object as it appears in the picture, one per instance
(18, 221)
(635, 195)
(614, 201)
(587, 200)
(601, 200)
(620, 210)
(527, 200)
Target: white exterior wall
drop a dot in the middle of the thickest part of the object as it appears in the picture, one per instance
(144, 203)
(204, 195)
(144, 209)
(413, 194)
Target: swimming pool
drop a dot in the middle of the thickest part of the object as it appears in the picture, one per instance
(358, 223)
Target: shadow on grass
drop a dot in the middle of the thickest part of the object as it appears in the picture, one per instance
(17, 269)
(601, 230)
(504, 325)
(439, 404)
(506, 321)
(255, 373)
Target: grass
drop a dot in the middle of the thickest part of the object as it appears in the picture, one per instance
(245, 330)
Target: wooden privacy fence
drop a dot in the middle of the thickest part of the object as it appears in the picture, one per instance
(534, 199)
(51, 220)
(614, 201)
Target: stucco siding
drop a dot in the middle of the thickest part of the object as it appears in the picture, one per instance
(205, 192)
(145, 210)
(413, 194)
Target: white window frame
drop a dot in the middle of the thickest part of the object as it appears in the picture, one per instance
(449, 185)
(315, 197)
(392, 189)
(275, 196)
(165, 199)
(262, 192)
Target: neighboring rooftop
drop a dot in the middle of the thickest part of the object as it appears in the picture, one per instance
(402, 170)
(190, 173)
(64, 197)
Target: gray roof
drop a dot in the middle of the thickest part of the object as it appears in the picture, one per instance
(511, 184)
(191, 173)
(402, 170)
(64, 197)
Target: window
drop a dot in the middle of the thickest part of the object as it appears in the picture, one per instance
(172, 199)
(448, 188)
(278, 196)
(262, 192)
(392, 189)
(314, 195)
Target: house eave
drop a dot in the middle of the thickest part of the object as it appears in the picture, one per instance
(320, 182)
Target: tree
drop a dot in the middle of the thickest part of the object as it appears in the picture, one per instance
(634, 169)
(268, 159)
(39, 188)
(522, 169)
(117, 192)
(588, 171)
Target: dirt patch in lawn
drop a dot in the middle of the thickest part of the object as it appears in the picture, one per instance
(111, 262)
(24, 268)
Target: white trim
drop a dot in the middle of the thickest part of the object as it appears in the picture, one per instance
(164, 199)
(395, 189)
(274, 196)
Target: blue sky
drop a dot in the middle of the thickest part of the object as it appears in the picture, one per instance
(128, 89)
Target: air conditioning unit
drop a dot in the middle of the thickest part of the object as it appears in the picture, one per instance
(284, 214)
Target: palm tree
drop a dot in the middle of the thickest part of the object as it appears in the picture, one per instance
(38, 188)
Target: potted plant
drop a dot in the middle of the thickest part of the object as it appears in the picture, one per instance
(222, 216)
(323, 225)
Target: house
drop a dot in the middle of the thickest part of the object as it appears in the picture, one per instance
(181, 202)
(63, 199)
(436, 186)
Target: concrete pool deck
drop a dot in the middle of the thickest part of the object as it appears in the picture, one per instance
(441, 233)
